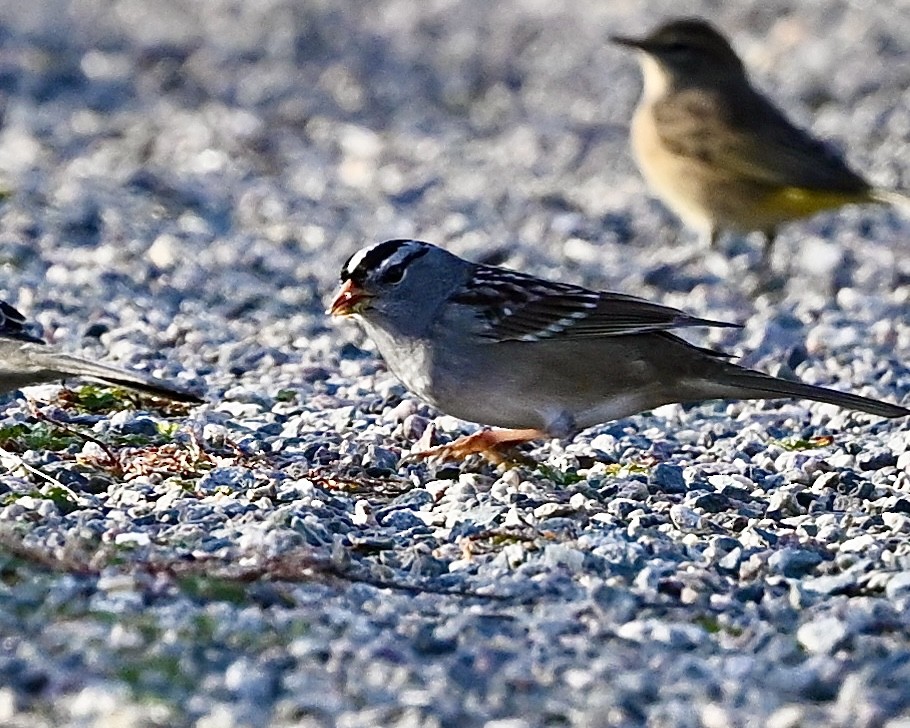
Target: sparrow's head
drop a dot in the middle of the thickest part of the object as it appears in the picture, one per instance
(397, 283)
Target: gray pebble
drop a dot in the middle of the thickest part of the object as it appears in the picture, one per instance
(793, 562)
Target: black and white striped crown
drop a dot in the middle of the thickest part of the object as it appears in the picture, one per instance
(383, 262)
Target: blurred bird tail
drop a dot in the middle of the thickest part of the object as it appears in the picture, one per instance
(893, 197)
(112, 376)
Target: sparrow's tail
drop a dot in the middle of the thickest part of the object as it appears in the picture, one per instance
(755, 385)
(67, 365)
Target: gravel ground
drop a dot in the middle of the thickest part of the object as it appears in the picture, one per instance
(183, 181)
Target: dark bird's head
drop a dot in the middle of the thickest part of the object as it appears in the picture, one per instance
(686, 51)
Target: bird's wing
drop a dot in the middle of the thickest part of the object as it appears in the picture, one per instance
(512, 306)
(753, 139)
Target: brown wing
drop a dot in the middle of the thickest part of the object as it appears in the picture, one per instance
(753, 139)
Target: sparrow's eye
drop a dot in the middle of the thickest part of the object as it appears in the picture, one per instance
(393, 274)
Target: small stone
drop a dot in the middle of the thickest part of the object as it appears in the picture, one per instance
(553, 510)
(825, 481)
(829, 534)
(858, 543)
(822, 635)
(733, 490)
(560, 555)
(413, 427)
(830, 584)
(428, 642)
(248, 680)
(669, 478)
(730, 563)
(165, 251)
(711, 502)
(620, 605)
(380, 458)
(400, 412)
(897, 522)
(793, 562)
(898, 587)
(674, 635)
(875, 459)
(132, 539)
(841, 460)
(782, 504)
(788, 716)
(8, 705)
(622, 507)
(363, 512)
(685, 519)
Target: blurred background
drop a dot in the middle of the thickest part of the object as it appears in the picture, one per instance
(216, 162)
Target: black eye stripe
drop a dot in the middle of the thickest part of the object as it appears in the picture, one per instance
(385, 262)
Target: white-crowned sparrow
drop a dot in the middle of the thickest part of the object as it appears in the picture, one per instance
(25, 360)
(543, 359)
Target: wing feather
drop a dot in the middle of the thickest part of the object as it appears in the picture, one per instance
(753, 139)
(517, 307)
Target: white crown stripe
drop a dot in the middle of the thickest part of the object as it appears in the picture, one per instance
(355, 260)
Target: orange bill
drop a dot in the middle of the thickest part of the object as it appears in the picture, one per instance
(349, 300)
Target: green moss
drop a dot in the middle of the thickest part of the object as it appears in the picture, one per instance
(712, 625)
(212, 588)
(39, 436)
(98, 398)
(798, 443)
(559, 477)
(61, 497)
(621, 468)
(286, 395)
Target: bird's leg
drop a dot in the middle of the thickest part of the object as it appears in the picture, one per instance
(770, 237)
(768, 281)
(487, 443)
(711, 238)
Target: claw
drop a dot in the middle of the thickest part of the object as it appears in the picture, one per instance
(487, 443)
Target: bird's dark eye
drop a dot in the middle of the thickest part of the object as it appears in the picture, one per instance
(393, 274)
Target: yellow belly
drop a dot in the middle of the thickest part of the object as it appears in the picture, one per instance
(791, 202)
(707, 197)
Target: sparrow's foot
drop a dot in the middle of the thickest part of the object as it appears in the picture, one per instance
(487, 443)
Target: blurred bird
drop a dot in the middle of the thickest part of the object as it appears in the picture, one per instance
(25, 360)
(719, 153)
(541, 358)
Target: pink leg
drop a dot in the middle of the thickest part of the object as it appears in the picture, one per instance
(487, 443)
